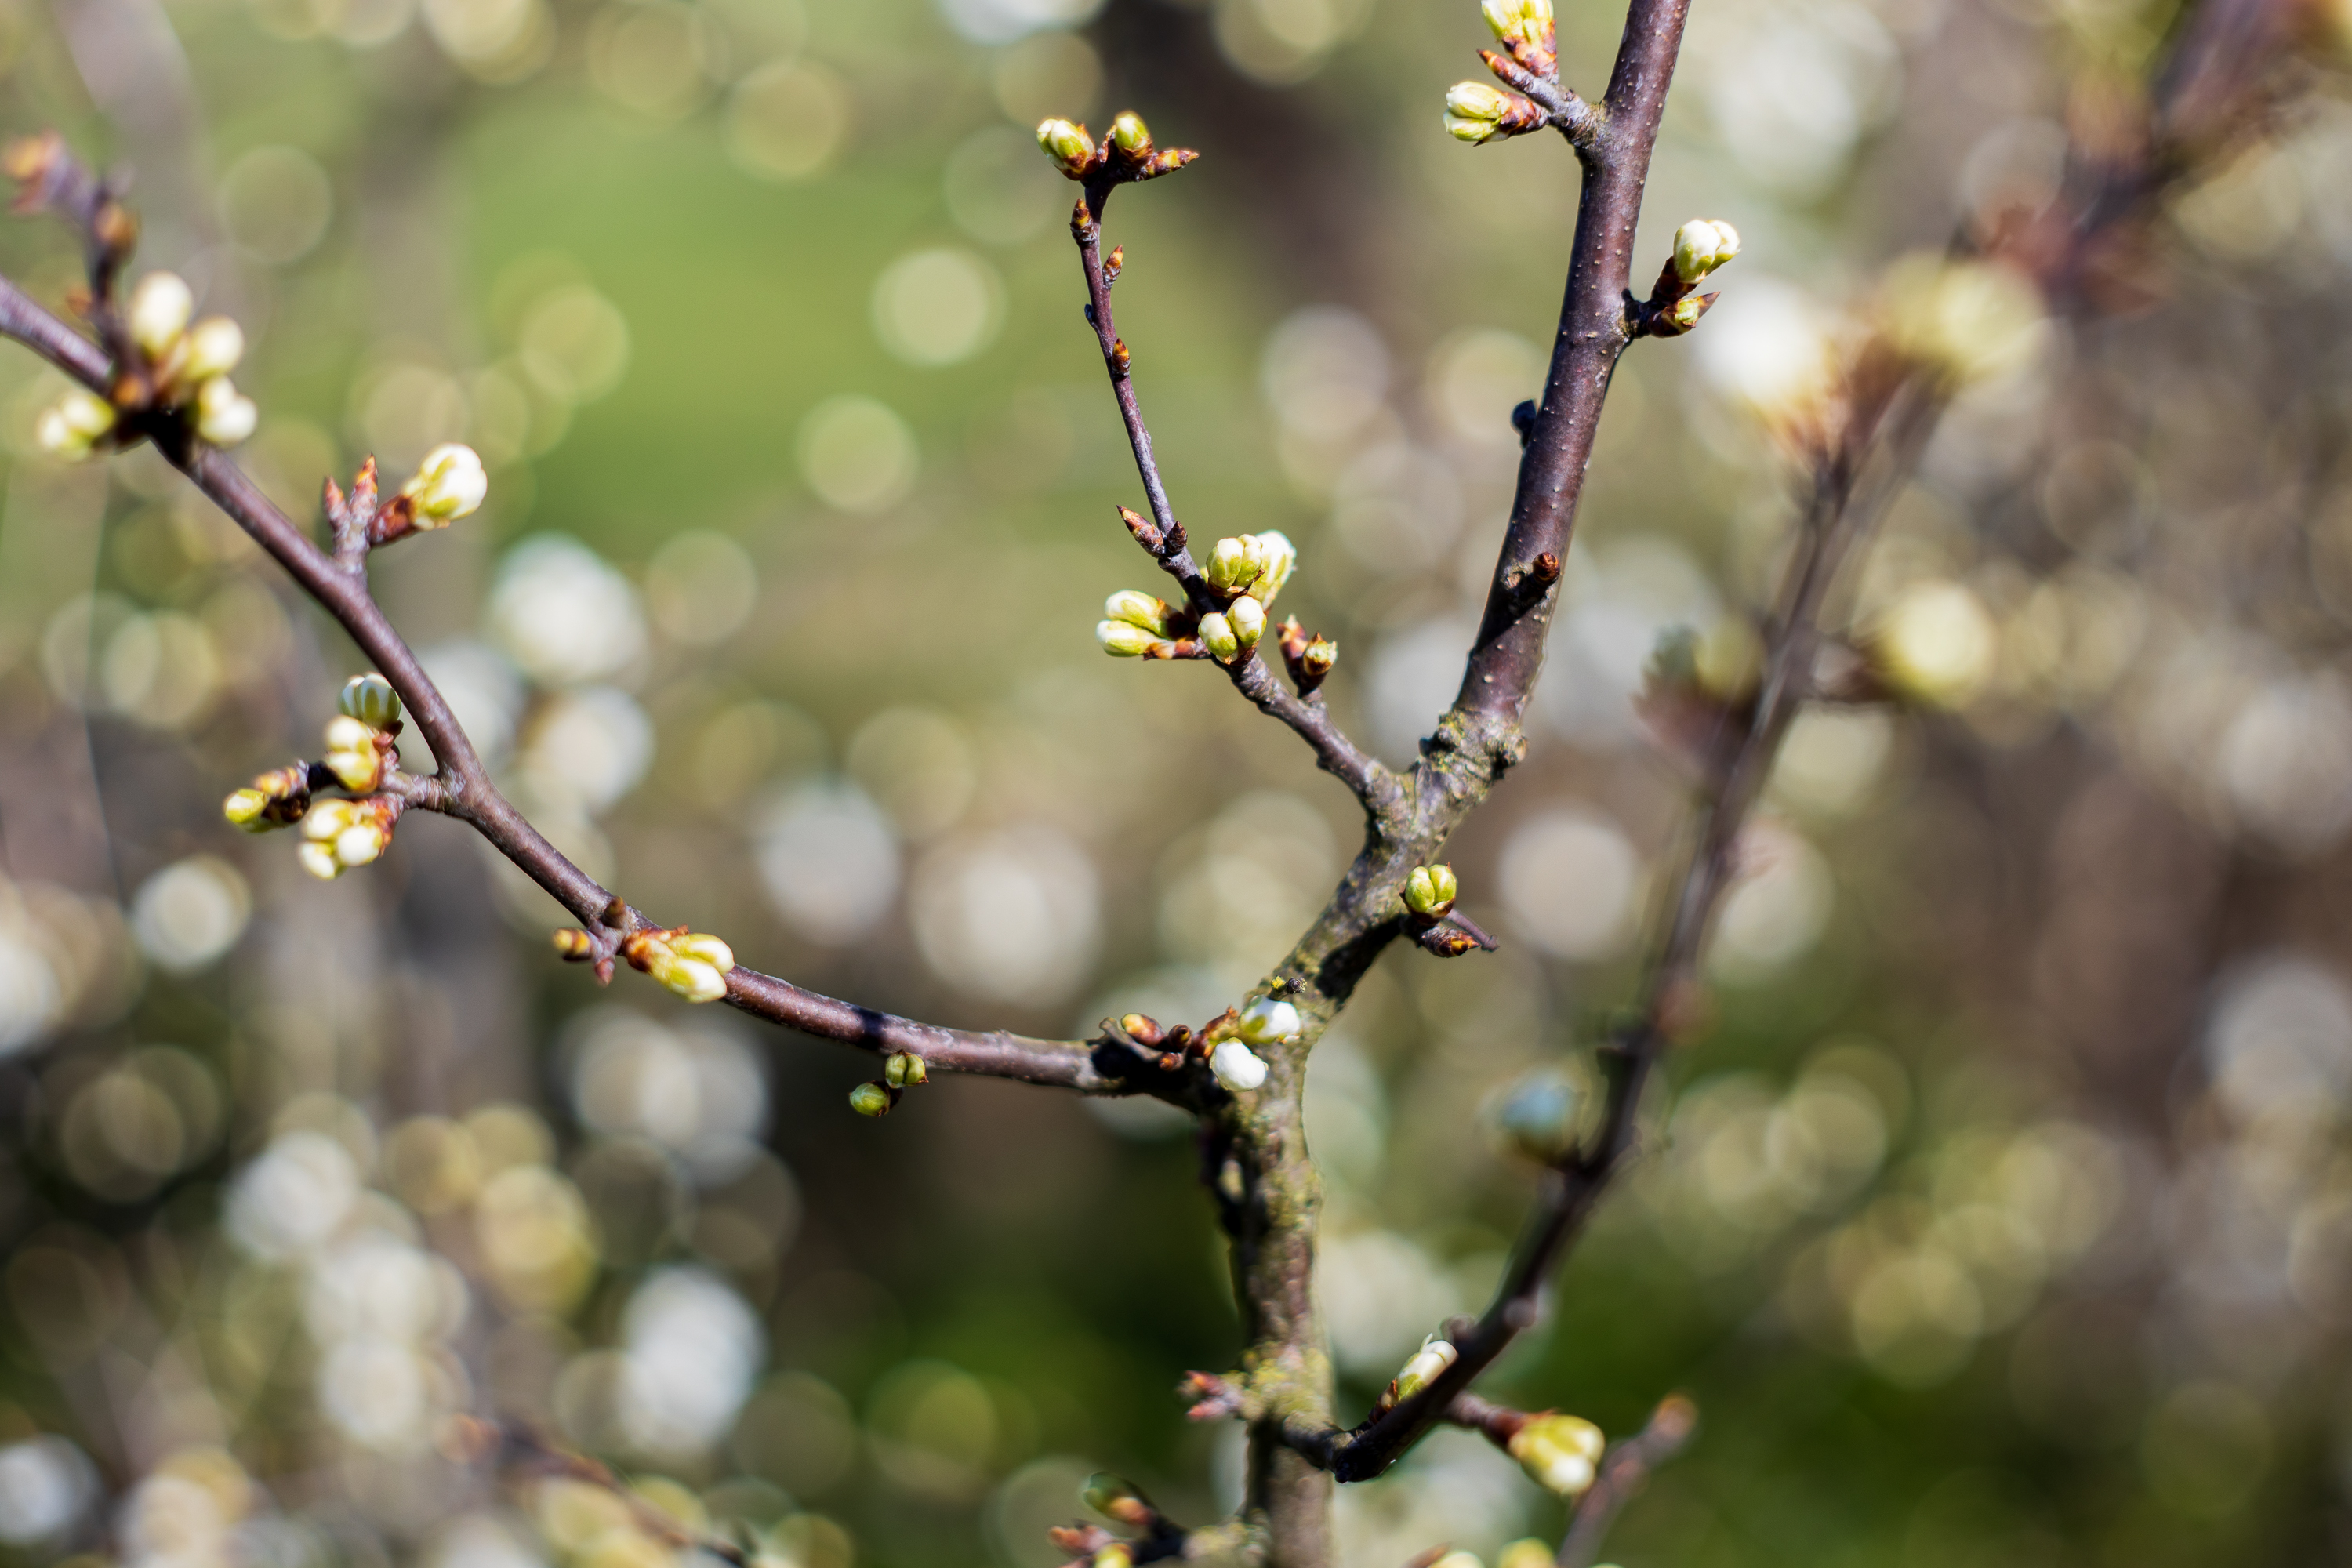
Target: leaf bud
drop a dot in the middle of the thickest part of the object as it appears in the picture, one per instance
(160, 307)
(870, 1100)
(1701, 246)
(1123, 639)
(1268, 1022)
(1217, 633)
(72, 425)
(1247, 618)
(214, 346)
(573, 944)
(371, 699)
(1560, 1453)
(1131, 136)
(1068, 145)
(1687, 310)
(1432, 1358)
(1320, 655)
(224, 416)
(1138, 609)
(1237, 1067)
(901, 1068)
(1430, 892)
(449, 484)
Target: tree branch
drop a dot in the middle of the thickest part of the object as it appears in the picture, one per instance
(1624, 1471)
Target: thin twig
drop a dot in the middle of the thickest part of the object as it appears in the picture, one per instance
(1625, 1469)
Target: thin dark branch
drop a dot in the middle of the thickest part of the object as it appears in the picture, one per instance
(1624, 1471)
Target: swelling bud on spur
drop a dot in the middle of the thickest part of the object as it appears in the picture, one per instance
(1138, 609)
(870, 1100)
(1129, 135)
(449, 484)
(1124, 639)
(161, 308)
(1218, 637)
(1478, 113)
(356, 753)
(1068, 145)
(1559, 1453)
(1237, 1067)
(213, 348)
(1247, 618)
(224, 416)
(1522, 24)
(74, 424)
(1430, 892)
(693, 964)
(1269, 1022)
(902, 1068)
(1432, 1358)
(1701, 246)
(371, 699)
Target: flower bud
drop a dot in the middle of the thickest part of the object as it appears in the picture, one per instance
(371, 699)
(1527, 23)
(870, 1100)
(1431, 891)
(1123, 639)
(573, 943)
(693, 979)
(1128, 134)
(73, 424)
(1247, 618)
(1701, 246)
(1068, 145)
(1278, 558)
(1528, 1553)
(1475, 112)
(1268, 1022)
(1540, 1113)
(1138, 609)
(160, 307)
(1433, 1357)
(319, 860)
(224, 417)
(215, 345)
(339, 835)
(1217, 633)
(705, 948)
(353, 756)
(1237, 1067)
(1234, 564)
(448, 484)
(901, 1068)
(1560, 1453)
(244, 808)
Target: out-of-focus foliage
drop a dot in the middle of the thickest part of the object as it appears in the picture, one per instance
(2003, 1216)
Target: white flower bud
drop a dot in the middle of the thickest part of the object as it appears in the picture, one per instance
(352, 754)
(705, 948)
(448, 484)
(1433, 1357)
(328, 819)
(215, 345)
(1068, 145)
(1236, 1067)
(223, 417)
(1247, 618)
(1560, 1453)
(1123, 639)
(1701, 246)
(1138, 609)
(362, 844)
(1475, 111)
(1278, 558)
(319, 860)
(1267, 1022)
(1217, 632)
(160, 307)
(78, 419)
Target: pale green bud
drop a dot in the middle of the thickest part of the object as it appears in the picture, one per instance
(1540, 1112)
(1237, 1067)
(1247, 618)
(1217, 632)
(1687, 310)
(1234, 564)
(1128, 134)
(1268, 1022)
(371, 699)
(215, 345)
(1431, 891)
(1432, 1358)
(901, 1068)
(448, 484)
(70, 427)
(705, 948)
(1068, 145)
(1527, 22)
(870, 1100)
(224, 416)
(1138, 609)
(1559, 1453)
(1277, 559)
(244, 809)
(1123, 639)
(692, 979)
(1701, 246)
(160, 307)
(1475, 111)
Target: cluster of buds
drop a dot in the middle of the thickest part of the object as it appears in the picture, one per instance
(341, 835)
(1266, 1021)
(692, 963)
(1126, 154)
(275, 799)
(1136, 624)
(1478, 113)
(187, 366)
(362, 737)
(1701, 246)
(1428, 894)
(901, 1070)
(1559, 1453)
(1248, 571)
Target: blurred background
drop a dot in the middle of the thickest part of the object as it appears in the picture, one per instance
(2003, 1216)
